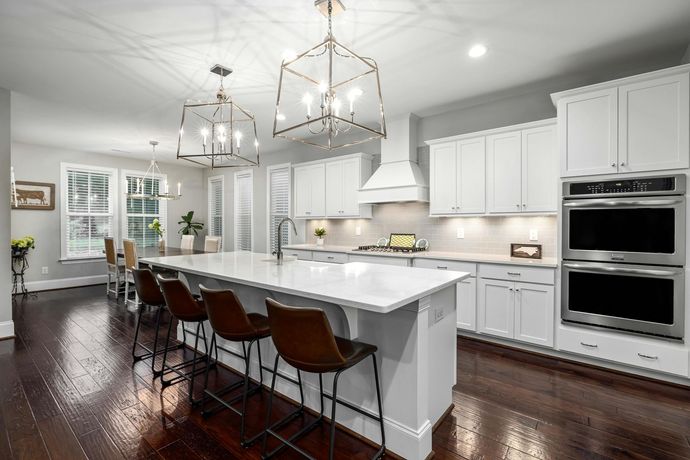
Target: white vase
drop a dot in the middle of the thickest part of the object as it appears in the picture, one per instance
(319, 241)
(161, 244)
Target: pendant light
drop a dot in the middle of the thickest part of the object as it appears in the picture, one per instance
(152, 173)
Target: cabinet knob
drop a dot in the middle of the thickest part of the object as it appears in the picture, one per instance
(511, 289)
(517, 205)
(613, 165)
(524, 205)
(622, 163)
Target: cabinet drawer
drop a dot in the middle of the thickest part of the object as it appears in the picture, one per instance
(452, 265)
(331, 257)
(300, 254)
(632, 351)
(517, 273)
(384, 260)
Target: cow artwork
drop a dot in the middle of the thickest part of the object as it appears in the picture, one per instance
(35, 195)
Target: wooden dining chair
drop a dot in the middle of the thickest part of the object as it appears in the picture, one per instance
(187, 242)
(212, 243)
(115, 271)
(131, 263)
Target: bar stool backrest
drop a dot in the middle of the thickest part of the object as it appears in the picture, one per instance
(226, 313)
(187, 242)
(212, 243)
(178, 299)
(147, 287)
(110, 255)
(303, 337)
(131, 258)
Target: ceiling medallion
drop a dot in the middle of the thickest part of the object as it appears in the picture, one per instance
(220, 133)
(146, 186)
(328, 96)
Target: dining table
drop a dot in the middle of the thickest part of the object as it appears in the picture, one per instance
(154, 251)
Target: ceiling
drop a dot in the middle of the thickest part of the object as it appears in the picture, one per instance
(106, 76)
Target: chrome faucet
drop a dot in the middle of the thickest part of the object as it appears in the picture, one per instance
(279, 251)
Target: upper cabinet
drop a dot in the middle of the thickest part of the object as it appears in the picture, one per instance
(328, 188)
(635, 124)
(507, 170)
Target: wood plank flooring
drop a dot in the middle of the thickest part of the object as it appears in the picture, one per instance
(68, 390)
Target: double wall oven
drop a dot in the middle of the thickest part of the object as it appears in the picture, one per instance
(624, 255)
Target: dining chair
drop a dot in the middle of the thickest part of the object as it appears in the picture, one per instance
(115, 271)
(187, 242)
(131, 263)
(212, 243)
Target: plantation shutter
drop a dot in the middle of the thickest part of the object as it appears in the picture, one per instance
(141, 212)
(243, 211)
(89, 212)
(279, 204)
(215, 206)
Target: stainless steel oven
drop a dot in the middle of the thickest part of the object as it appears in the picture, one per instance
(634, 298)
(624, 255)
(634, 220)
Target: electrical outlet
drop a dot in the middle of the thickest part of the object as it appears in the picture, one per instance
(533, 234)
(44, 270)
(438, 315)
(358, 230)
(460, 232)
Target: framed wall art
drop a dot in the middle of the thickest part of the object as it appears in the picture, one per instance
(34, 195)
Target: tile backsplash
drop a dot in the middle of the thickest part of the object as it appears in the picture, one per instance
(486, 235)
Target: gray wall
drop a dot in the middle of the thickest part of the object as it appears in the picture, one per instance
(5, 272)
(42, 164)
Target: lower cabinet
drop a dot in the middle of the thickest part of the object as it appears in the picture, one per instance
(467, 304)
(299, 253)
(516, 310)
(383, 260)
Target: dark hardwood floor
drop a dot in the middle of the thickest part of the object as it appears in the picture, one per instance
(68, 390)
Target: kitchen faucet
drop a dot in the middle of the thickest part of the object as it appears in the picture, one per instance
(279, 251)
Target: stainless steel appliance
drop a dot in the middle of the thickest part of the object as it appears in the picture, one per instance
(624, 255)
(633, 220)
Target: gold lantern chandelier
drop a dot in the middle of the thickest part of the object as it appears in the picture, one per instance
(220, 133)
(148, 188)
(329, 96)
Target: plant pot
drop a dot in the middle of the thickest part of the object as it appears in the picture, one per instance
(319, 241)
(161, 245)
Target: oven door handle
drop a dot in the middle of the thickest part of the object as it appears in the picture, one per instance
(629, 271)
(608, 203)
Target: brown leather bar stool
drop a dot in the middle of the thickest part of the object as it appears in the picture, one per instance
(187, 309)
(150, 296)
(230, 321)
(304, 339)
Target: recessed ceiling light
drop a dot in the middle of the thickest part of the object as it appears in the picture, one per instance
(477, 51)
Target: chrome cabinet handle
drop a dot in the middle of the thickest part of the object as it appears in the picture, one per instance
(330, 257)
(307, 212)
(441, 267)
(589, 345)
(606, 202)
(631, 271)
(514, 273)
(641, 355)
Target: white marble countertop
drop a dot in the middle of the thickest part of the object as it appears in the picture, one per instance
(373, 287)
(547, 262)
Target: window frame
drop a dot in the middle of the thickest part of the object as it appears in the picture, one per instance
(124, 173)
(223, 207)
(250, 173)
(64, 189)
(269, 169)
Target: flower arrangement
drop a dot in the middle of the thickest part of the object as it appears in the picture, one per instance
(157, 227)
(320, 232)
(22, 245)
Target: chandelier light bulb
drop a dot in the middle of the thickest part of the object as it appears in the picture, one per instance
(256, 143)
(336, 104)
(307, 100)
(477, 51)
(280, 116)
(238, 136)
(204, 134)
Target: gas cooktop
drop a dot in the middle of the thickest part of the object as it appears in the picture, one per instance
(373, 248)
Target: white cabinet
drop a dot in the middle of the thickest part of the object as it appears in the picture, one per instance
(588, 128)
(539, 169)
(310, 191)
(467, 304)
(299, 253)
(329, 188)
(654, 123)
(382, 260)
(516, 310)
(457, 177)
(330, 257)
(635, 124)
(504, 181)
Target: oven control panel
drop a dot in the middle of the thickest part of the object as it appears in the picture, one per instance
(639, 186)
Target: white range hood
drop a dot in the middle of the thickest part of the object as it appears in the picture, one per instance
(399, 177)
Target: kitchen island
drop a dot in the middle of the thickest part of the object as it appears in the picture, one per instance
(408, 313)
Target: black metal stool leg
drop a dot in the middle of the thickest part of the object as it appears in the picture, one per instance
(136, 336)
(196, 344)
(264, 441)
(382, 450)
(165, 353)
(334, 404)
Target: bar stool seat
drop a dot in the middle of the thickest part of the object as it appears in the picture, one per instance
(304, 339)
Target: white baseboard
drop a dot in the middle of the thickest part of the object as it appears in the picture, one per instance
(47, 285)
(6, 329)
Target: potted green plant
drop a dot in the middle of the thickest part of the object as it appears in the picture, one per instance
(22, 245)
(189, 226)
(158, 228)
(319, 233)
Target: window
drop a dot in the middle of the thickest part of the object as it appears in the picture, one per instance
(216, 222)
(243, 210)
(87, 208)
(278, 205)
(139, 213)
